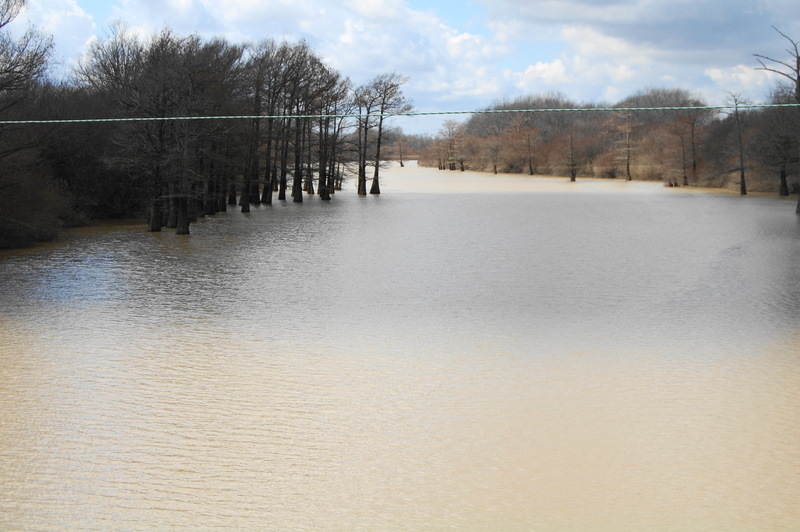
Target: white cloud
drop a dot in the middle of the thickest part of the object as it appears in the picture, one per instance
(384, 10)
(738, 78)
(587, 49)
(590, 43)
(72, 28)
(549, 73)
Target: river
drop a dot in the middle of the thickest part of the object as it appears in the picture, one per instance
(465, 351)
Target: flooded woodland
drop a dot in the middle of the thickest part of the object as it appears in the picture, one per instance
(452, 349)
(466, 350)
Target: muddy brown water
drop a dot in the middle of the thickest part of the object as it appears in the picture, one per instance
(466, 351)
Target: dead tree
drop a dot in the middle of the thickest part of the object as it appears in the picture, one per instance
(790, 69)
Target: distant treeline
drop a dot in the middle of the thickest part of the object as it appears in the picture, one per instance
(170, 172)
(694, 147)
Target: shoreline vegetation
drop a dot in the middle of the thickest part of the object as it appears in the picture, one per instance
(673, 138)
(566, 181)
(322, 130)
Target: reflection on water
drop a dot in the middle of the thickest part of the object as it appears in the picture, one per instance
(604, 356)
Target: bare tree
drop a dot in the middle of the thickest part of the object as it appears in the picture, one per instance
(9, 9)
(449, 134)
(776, 135)
(22, 60)
(737, 100)
(390, 101)
(789, 69)
(366, 102)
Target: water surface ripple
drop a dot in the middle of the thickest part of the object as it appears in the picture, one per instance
(465, 351)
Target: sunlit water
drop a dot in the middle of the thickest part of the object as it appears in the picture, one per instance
(466, 351)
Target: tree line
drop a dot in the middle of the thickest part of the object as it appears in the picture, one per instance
(322, 128)
(746, 148)
(698, 147)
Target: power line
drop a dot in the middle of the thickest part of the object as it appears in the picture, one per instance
(409, 114)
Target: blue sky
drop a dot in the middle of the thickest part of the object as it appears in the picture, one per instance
(463, 55)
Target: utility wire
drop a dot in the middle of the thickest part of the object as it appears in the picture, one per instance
(411, 114)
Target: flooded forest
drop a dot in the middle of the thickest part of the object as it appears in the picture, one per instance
(163, 156)
(196, 126)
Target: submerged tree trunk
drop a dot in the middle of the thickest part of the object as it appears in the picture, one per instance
(222, 201)
(269, 167)
(266, 197)
(183, 216)
(784, 187)
(573, 170)
(742, 182)
(628, 176)
(683, 154)
(155, 221)
(283, 185)
(797, 210)
(172, 216)
(244, 200)
(297, 176)
(376, 187)
(284, 161)
(362, 181)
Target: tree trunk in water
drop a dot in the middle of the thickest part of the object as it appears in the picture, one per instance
(283, 185)
(573, 170)
(797, 210)
(376, 187)
(742, 184)
(222, 201)
(269, 164)
(284, 160)
(784, 188)
(362, 181)
(297, 187)
(194, 207)
(172, 219)
(183, 216)
(156, 217)
(266, 198)
(269, 188)
(245, 199)
(210, 199)
(324, 189)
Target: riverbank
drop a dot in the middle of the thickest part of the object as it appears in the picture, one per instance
(421, 178)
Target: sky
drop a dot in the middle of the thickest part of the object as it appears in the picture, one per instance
(462, 55)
